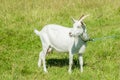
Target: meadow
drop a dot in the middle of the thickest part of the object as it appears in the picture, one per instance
(20, 47)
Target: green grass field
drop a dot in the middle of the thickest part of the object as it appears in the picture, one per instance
(20, 47)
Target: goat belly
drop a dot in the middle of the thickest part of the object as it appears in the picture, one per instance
(60, 43)
(59, 38)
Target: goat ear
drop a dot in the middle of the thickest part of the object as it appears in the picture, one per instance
(73, 19)
(82, 23)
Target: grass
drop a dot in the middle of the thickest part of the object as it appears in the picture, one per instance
(19, 46)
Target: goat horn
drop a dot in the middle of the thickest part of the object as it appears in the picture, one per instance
(83, 17)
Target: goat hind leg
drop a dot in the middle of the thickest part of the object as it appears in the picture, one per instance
(40, 59)
(43, 58)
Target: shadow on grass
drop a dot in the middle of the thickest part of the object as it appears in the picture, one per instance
(62, 62)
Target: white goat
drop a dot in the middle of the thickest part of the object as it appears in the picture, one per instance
(63, 39)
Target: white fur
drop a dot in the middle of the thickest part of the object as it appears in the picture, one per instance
(63, 39)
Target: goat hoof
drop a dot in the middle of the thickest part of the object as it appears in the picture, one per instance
(46, 71)
(69, 71)
(81, 71)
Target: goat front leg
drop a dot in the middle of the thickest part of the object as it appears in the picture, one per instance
(70, 62)
(81, 62)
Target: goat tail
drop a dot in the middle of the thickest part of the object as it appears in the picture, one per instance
(37, 32)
